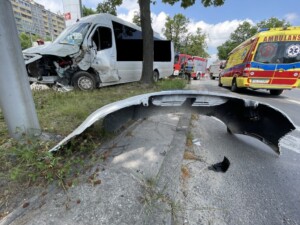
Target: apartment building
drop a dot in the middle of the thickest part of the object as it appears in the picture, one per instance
(33, 18)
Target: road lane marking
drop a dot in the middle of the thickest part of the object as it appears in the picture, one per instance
(294, 101)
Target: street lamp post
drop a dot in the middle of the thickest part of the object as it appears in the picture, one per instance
(16, 99)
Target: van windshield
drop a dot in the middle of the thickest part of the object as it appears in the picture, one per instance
(74, 34)
(278, 52)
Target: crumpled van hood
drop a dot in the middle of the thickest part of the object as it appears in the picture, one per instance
(56, 49)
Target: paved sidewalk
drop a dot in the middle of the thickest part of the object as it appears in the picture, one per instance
(137, 184)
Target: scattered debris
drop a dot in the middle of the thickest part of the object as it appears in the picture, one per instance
(221, 166)
(39, 87)
(197, 142)
(26, 204)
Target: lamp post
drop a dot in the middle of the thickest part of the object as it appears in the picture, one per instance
(16, 99)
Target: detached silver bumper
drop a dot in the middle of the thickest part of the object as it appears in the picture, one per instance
(241, 116)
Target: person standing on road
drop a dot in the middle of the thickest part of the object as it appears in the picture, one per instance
(189, 69)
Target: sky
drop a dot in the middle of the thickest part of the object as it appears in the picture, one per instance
(216, 22)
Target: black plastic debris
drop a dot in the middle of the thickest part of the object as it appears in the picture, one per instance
(221, 166)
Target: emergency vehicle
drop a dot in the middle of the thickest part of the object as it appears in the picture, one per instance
(269, 60)
(196, 70)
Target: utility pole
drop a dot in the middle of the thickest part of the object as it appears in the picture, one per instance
(16, 99)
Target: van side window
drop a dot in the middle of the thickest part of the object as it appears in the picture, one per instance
(124, 32)
(102, 38)
(129, 40)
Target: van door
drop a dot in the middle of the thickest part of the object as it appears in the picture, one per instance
(280, 63)
(104, 61)
(287, 64)
(129, 48)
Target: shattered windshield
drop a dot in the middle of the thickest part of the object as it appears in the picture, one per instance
(278, 52)
(73, 35)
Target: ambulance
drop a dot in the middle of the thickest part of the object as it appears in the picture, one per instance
(269, 60)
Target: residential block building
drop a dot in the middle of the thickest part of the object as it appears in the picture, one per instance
(33, 18)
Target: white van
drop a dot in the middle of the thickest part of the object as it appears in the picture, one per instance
(215, 70)
(99, 50)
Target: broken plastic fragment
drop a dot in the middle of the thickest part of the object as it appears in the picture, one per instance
(221, 166)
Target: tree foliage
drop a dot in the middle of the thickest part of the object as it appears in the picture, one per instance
(240, 34)
(196, 45)
(244, 31)
(87, 11)
(109, 6)
(26, 40)
(176, 30)
(272, 22)
(188, 3)
(137, 18)
(185, 42)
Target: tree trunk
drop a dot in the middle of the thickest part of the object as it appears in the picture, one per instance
(148, 45)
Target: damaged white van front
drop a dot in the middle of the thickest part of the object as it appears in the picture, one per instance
(97, 51)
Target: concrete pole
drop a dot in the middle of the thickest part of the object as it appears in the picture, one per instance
(16, 99)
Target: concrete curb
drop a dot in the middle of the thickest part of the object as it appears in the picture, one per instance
(167, 185)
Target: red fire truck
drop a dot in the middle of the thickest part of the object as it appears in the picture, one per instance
(198, 66)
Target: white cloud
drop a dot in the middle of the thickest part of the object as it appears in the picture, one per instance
(291, 17)
(218, 33)
(53, 6)
(129, 5)
(158, 22)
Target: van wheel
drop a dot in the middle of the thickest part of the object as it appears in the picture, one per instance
(234, 87)
(219, 82)
(84, 81)
(276, 92)
(155, 76)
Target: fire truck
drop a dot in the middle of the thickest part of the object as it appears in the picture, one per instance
(183, 67)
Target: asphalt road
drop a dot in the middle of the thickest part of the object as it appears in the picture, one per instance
(259, 187)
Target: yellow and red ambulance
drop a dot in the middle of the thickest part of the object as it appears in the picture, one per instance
(268, 60)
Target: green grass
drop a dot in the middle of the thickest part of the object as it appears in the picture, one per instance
(60, 113)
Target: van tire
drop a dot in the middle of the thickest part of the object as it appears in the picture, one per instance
(234, 87)
(219, 82)
(155, 76)
(276, 92)
(84, 81)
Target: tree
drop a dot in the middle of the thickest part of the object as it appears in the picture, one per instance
(240, 34)
(109, 6)
(196, 45)
(272, 22)
(148, 45)
(26, 40)
(147, 30)
(137, 18)
(87, 11)
(176, 30)
(243, 32)
(225, 49)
